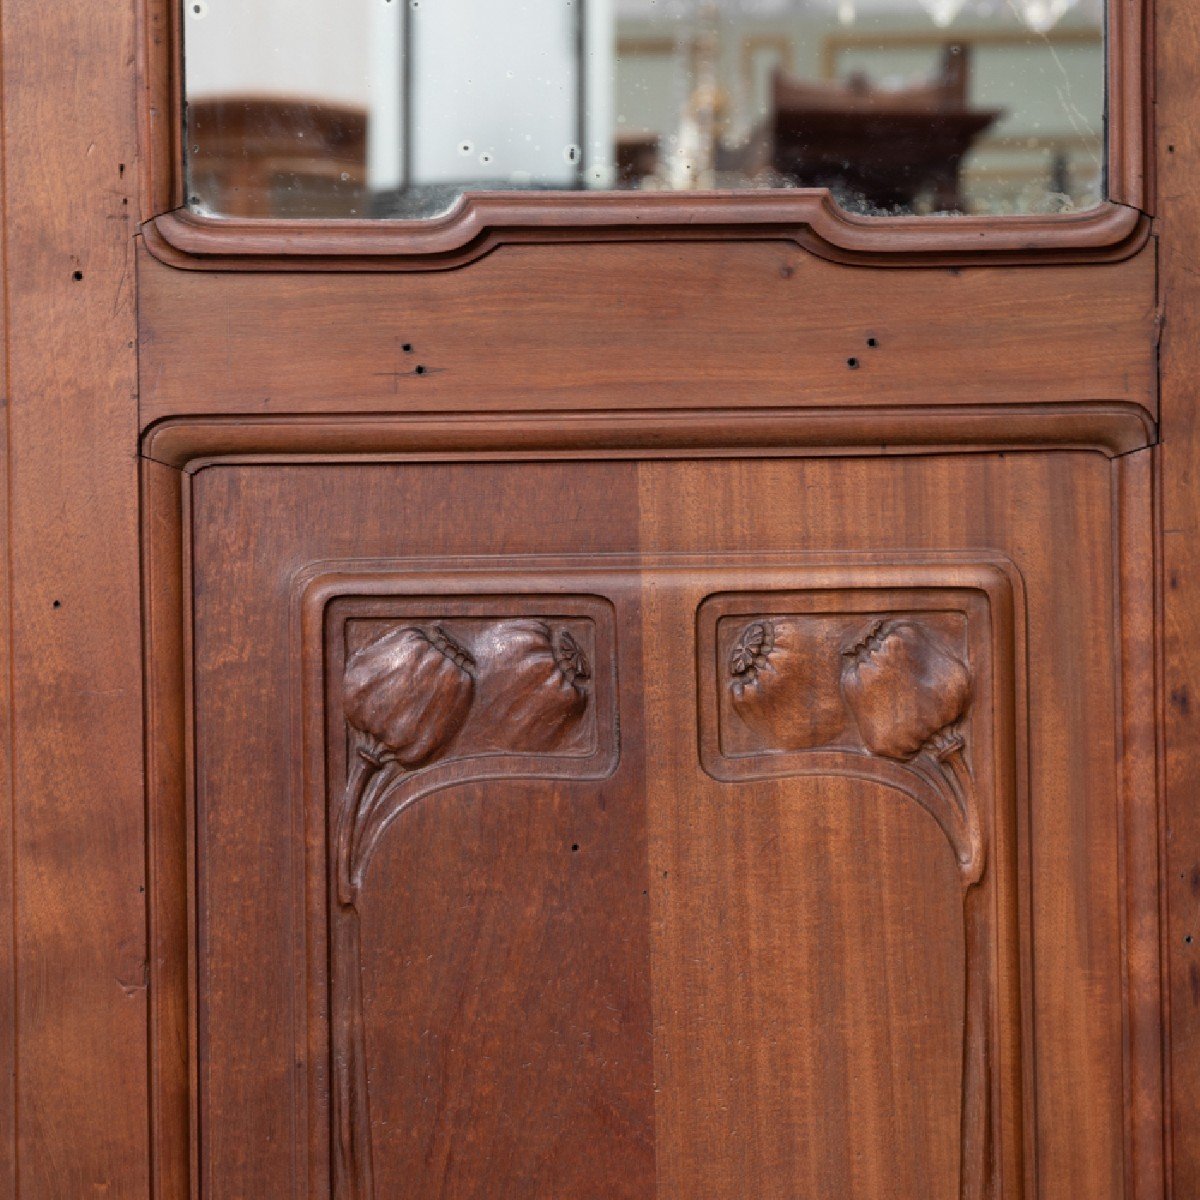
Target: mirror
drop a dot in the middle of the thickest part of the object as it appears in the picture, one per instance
(396, 108)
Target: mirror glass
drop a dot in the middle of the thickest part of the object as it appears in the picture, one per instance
(395, 108)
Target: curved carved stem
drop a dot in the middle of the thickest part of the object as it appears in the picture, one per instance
(945, 766)
(963, 784)
(352, 1117)
(364, 820)
(352, 1158)
(949, 782)
(976, 1132)
(361, 774)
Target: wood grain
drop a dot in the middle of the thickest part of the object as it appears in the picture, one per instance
(777, 905)
(645, 327)
(1178, 147)
(77, 988)
(1112, 428)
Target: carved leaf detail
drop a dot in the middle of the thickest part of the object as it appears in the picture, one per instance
(751, 650)
(905, 688)
(571, 657)
(785, 682)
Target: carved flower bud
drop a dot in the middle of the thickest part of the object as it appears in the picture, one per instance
(784, 683)
(410, 691)
(904, 687)
(533, 691)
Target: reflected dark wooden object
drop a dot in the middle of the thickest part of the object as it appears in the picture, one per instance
(277, 157)
(637, 158)
(885, 148)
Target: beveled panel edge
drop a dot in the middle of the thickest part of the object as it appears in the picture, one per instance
(1109, 427)
(479, 223)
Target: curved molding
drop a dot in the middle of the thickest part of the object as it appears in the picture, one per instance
(1111, 428)
(925, 788)
(479, 224)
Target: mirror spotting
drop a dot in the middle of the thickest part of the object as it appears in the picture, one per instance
(397, 108)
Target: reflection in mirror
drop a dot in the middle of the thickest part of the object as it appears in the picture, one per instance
(395, 108)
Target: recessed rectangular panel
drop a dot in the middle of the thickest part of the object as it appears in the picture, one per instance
(440, 709)
(712, 836)
(834, 710)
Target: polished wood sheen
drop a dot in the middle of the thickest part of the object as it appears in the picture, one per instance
(766, 917)
(642, 697)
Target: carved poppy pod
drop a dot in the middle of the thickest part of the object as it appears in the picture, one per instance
(904, 687)
(533, 691)
(410, 690)
(784, 682)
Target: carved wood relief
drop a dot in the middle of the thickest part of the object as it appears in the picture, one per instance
(878, 673)
(433, 699)
(886, 696)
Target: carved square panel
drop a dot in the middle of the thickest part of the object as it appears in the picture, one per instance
(910, 688)
(425, 693)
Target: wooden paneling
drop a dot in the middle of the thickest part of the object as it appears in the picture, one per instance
(624, 327)
(1179, 463)
(733, 956)
(667, 980)
(75, 989)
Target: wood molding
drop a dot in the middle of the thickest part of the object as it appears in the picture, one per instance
(478, 224)
(160, 107)
(1131, 103)
(1112, 428)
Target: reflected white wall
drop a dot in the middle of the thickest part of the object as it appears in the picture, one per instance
(498, 90)
(330, 51)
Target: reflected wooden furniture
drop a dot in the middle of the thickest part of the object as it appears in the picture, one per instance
(637, 157)
(257, 156)
(887, 149)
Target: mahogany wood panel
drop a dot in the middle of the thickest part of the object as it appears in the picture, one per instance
(645, 326)
(689, 909)
(735, 919)
(1179, 521)
(74, 970)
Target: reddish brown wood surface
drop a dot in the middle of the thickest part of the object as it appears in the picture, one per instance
(645, 326)
(737, 982)
(693, 976)
(74, 1098)
(480, 223)
(1179, 167)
